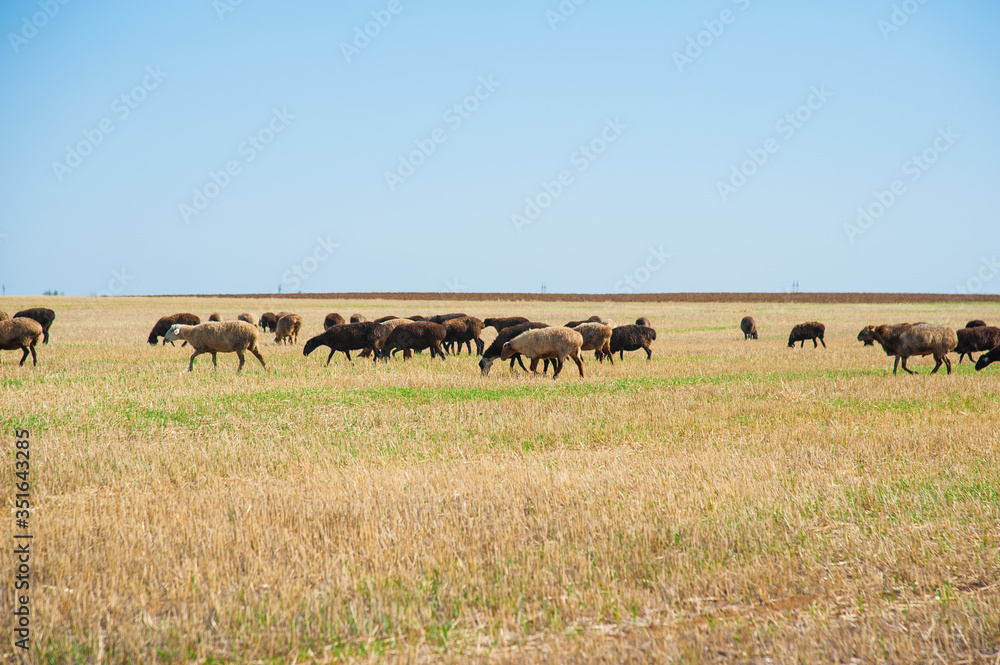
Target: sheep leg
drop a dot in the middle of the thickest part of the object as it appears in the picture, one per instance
(329, 357)
(895, 365)
(621, 355)
(239, 354)
(25, 356)
(346, 353)
(520, 362)
(215, 361)
(533, 366)
(46, 340)
(607, 353)
(480, 346)
(937, 364)
(823, 342)
(440, 352)
(649, 353)
(905, 368)
(193, 356)
(558, 367)
(947, 363)
(579, 363)
(254, 350)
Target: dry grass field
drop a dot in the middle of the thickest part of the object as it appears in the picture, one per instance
(728, 501)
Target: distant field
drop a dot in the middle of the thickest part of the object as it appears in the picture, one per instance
(728, 501)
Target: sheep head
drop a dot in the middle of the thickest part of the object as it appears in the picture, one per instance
(173, 333)
(485, 364)
(506, 353)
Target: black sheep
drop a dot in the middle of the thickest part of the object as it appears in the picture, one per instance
(593, 319)
(383, 319)
(500, 322)
(164, 323)
(987, 358)
(809, 330)
(979, 338)
(510, 332)
(333, 319)
(632, 338)
(441, 318)
(464, 330)
(346, 337)
(749, 328)
(975, 323)
(643, 321)
(358, 318)
(268, 322)
(415, 336)
(43, 315)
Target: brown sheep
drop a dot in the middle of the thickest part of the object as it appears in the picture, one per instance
(597, 338)
(288, 329)
(215, 316)
(20, 333)
(42, 315)
(416, 336)
(464, 330)
(3, 315)
(218, 337)
(914, 339)
(809, 330)
(593, 319)
(163, 325)
(358, 318)
(268, 322)
(441, 318)
(245, 316)
(749, 328)
(975, 323)
(333, 319)
(501, 322)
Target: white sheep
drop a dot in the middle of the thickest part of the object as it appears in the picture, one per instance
(596, 338)
(288, 329)
(541, 343)
(913, 339)
(218, 337)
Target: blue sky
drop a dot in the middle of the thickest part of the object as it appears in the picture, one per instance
(600, 147)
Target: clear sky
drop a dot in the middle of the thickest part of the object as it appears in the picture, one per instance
(227, 146)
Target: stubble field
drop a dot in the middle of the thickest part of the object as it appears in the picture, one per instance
(727, 501)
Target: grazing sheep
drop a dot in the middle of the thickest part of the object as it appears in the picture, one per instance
(557, 343)
(268, 322)
(358, 318)
(975, 323)
(501, 322)
(464, 330)
(809, 330)
(164, 323)
(642, 321)
(289, 326)
(214, 316)
(3, 315)
(441, 318)
(597, 338)
(914, 339)
(347, 337)
(416, 336)
(632, 338)
(389, 326)
(987, 358)
(20, 333)
(504, 336)
(593, 319)
(333, 319)
(246, 316)
(979, 338)
(43, 315)
(749, 328)
(218, 337)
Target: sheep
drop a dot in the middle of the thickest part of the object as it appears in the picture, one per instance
(246, 316)
(501, 322)
(333, 319)
(3, 315)
(389, 326)
(214, 316)
(975, 323)
(632, 338)
(642, 321)
(987, 358)
(441, 318)
(346, 337)
(20, 333)
(914, 339)
(979, 338)
(417, 336)
(383, 319)
(43, 315)
(218, 337)
(416, 317)
(358, 318)
(289, 326)
(268, 322)
(749, 328)
(593, 319)
(504, 336)
(597, 338)
(464, 330)
(557, 343)
(163, 325)
(809, 330)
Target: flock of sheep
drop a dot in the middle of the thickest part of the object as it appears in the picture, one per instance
(516, 337)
